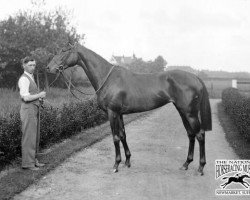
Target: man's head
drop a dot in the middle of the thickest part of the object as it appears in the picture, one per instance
(29, 64)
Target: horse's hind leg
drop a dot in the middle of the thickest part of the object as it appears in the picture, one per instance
(124, 142)
(190, 151)
(191, 137)
(201, 138)
(193, 127)
(114, 123)
(244, 184)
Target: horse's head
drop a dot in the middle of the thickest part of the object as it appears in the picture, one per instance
(67, 57)
(247, 176)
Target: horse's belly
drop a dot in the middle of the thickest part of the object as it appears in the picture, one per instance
(144, 102)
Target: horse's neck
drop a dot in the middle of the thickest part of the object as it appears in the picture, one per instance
(95, 67)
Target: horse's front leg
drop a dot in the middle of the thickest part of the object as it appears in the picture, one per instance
(124, 141)
(244, 184)
(114, 123)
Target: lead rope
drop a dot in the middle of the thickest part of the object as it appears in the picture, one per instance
(54, 80)
(75, 88)
(38, 117)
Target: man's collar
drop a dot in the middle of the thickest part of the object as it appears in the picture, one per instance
(30, 75)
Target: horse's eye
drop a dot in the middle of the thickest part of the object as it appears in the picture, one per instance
(64, 49)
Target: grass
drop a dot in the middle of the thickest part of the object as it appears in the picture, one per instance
(240, 145)
(14, 180)
(56, 97)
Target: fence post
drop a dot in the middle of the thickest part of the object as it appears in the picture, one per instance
(234, 83)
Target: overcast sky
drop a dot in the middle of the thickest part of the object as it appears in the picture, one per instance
(203, 34)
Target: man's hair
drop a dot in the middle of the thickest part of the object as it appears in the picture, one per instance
(27, 59)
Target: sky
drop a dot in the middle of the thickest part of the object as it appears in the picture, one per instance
(203, 34)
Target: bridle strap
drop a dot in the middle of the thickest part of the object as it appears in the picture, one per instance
(57, 76)
(61, 71)
(105, 79)
(75, 88)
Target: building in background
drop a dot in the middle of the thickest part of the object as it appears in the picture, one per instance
(123, 60)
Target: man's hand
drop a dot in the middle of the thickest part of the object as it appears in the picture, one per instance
(33, 97)
(42, 94)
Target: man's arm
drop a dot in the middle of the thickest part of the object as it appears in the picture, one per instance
(24, 91)
(33, 97)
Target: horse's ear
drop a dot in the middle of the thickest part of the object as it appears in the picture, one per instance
(70, 41)
(71, 45)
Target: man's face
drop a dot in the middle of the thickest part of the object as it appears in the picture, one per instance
(30, 67)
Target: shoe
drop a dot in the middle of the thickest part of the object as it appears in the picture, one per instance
(39, 164)
(31, 168)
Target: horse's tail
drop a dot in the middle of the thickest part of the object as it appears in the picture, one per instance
(205, 109)
(225, 177)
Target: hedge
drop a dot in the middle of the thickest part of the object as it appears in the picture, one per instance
(237, 106)
(56, 124)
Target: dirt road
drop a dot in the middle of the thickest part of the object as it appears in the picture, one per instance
(159, 146)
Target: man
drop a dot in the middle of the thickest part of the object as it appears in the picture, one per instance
(31, 98)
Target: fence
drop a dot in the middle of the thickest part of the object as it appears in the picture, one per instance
(215, 86)
(241, 84)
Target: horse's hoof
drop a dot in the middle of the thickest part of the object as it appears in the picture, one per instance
(200, 171)
(115, 170)
(128, 164)
(184, 167)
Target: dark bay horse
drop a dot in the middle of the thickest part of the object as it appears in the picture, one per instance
(120, 91)
(236, 179)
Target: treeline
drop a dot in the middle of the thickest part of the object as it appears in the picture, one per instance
(33, 33)
(141, 66)
(205, 74)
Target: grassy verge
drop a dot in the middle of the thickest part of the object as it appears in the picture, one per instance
(14, 180)
(240, 145)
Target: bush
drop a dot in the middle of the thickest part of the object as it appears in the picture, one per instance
(10, 137)
(237, 107)
(56, 124)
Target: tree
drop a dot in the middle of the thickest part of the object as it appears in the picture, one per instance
(141, 66)
(159, 64)
(202, 74)
(42, 56)
(33, 32)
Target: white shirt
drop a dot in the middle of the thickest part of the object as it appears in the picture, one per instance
(24, 84)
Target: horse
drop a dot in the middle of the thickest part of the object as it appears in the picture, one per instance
(120, 91)
(237, 179)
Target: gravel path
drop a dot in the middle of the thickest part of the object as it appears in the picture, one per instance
(159, 146)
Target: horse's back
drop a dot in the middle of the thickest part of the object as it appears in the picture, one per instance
(137, 92)
(185, 78)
